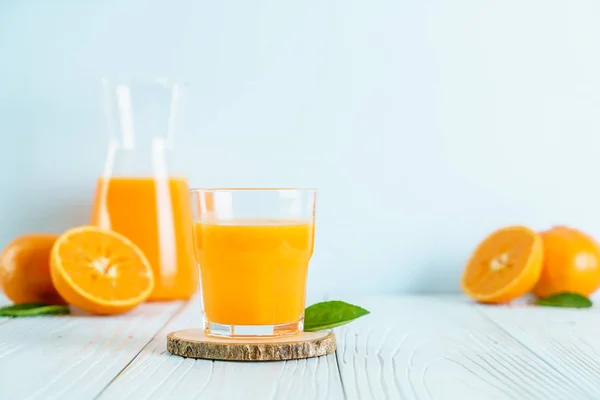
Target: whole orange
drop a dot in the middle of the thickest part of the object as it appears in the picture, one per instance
(571, 263)
(25, 270)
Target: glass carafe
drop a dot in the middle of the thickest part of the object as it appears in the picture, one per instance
(138, 195)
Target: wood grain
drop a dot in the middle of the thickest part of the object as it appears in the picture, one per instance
(408, 348)
(156, 374)
(73, 357)
(193, 343)
(568, 340)
(444, 348)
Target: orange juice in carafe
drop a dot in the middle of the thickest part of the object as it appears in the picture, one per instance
(155, 214)
(138, 195)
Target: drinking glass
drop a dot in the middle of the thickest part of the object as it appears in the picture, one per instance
(253, 247)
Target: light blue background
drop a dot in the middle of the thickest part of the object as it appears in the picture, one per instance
(424, 124)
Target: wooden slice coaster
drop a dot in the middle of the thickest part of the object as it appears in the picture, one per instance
(193, 343)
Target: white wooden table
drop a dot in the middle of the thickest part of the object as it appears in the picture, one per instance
(408, 348)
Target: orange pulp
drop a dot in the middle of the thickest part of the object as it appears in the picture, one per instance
(254, 271)
(155, 214)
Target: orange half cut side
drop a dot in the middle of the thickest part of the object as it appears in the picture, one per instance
(505, 266)
(100, 271)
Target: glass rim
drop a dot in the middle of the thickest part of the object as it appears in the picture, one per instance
(252, 189)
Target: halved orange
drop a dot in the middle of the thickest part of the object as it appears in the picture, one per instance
(100, 271)
(505, 266)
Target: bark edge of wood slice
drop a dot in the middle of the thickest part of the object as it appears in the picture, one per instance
(193, 343)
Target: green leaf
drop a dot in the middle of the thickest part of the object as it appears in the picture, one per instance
(33, 310)
(22, 306)
(329, 314)
(571, 300)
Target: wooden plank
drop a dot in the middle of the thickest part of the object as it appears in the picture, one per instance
(73, 357)
(156, 374)
(567, 339)
(443, 348)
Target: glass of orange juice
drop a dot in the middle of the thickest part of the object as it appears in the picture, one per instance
(253, 247)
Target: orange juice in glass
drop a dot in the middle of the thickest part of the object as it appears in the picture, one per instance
(253, 247)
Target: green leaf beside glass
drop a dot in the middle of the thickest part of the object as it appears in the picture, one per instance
(330, 314)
